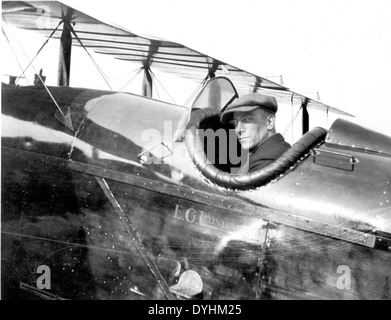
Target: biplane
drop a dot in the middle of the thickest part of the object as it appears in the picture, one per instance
(117, 196)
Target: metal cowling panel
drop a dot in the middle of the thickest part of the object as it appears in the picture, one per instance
(345, 133)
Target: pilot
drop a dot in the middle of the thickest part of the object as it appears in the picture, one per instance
(253, 117)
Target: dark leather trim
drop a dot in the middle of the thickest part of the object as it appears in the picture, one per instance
(253, 179)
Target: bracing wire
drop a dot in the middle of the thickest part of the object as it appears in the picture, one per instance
(30, 63)
(327, 117)
(191, 96)
(44, 44)
(14, 54)
(290, 125)
(293, 119)
(162, 86)
(131, 79)
(157, 90)
(93, 60)
(201, 85)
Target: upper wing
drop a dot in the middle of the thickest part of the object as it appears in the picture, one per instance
(44, 17)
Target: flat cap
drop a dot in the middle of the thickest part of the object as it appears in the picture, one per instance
(250, 102)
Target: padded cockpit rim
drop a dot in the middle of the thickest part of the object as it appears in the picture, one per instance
(253, 179)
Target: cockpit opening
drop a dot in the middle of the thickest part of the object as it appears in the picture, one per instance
(217, 153)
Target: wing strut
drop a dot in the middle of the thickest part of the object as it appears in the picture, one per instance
(64, 64)
(306, 117)
(213, 68)
(147, 82)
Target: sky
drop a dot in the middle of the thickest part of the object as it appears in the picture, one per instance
(340, 50)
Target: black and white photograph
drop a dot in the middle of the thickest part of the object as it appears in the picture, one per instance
(206, 152)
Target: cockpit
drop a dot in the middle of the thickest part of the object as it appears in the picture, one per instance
(216, 151)
(146, 131)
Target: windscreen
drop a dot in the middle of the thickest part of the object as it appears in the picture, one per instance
(124, 125)
(217, 93)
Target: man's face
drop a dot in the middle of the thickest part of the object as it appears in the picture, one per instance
(251, 127)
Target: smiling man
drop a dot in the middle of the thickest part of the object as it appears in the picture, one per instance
(253, 117)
